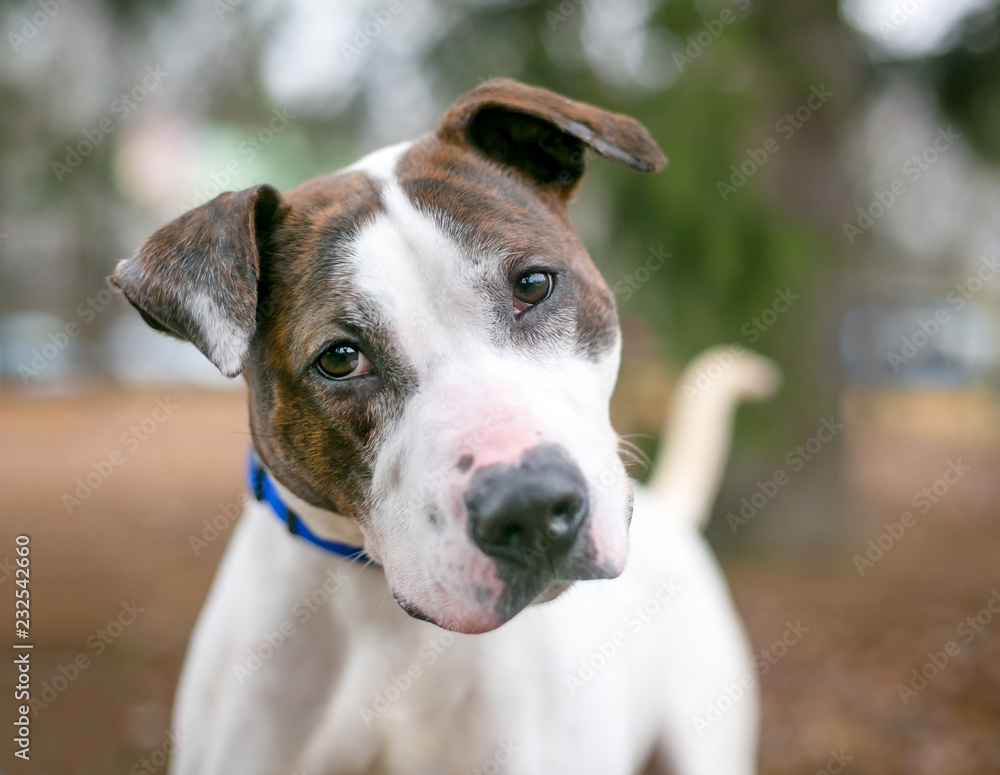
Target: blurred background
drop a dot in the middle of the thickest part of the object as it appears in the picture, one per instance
(832, 200)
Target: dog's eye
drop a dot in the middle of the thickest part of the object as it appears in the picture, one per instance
(342, 360)
(531, 288)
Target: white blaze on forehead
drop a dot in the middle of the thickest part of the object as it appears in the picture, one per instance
(381, 164)
(428, 287)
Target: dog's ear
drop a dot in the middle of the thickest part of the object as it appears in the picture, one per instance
(196, 278)
(546, 135)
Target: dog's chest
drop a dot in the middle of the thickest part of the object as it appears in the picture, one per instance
(417, 699)
(415, 705)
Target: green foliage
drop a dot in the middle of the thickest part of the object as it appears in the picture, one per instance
(967, 81)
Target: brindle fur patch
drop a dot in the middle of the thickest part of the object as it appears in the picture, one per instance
(315, 434)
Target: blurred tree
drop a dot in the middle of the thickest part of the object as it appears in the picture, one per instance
(749, 205)
(966, 78)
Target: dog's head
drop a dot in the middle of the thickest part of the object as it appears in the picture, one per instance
(429, 349)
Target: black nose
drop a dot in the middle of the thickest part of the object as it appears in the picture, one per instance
(528, 514)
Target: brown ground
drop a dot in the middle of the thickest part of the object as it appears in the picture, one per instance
(835, 689)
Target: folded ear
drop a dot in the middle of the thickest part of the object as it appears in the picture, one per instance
(546, 135)
(196, 278)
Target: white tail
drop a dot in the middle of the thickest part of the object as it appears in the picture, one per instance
(699, 426)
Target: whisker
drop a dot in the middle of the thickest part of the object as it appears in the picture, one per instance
(633, 452)
(384, 596)
(248, 433)
(636, 436)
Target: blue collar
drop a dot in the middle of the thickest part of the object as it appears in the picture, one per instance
(264, 490)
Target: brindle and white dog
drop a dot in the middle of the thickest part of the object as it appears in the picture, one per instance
(430, 354)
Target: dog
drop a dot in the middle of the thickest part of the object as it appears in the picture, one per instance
(430, 354)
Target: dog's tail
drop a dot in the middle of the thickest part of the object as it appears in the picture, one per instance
(699, 425)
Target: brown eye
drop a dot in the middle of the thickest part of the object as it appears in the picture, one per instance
(342, 360)
(531, 288)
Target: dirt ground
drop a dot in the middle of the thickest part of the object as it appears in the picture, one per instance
(116, 586)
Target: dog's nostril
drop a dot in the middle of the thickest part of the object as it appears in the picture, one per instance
(502, 539)
(565, 509)
(512, 538)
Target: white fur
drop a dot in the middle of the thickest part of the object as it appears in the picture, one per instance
(381, 164)
(227, 342)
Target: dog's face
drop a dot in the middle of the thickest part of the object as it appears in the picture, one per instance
(428, 347)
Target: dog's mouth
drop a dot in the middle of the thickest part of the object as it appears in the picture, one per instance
(489, 612)
(486, 612)
(466, 622)
(552, 591)
(520, 592)
(412, 610)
